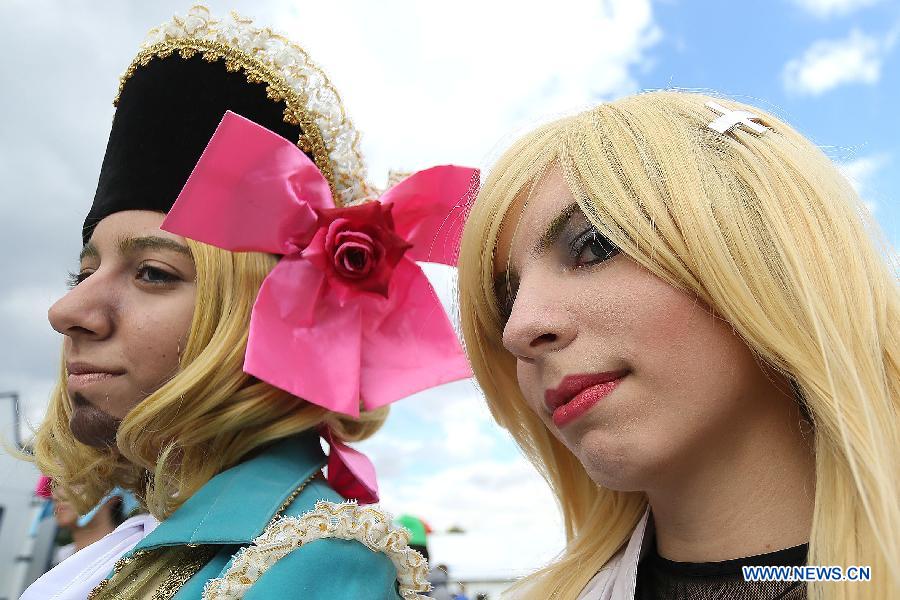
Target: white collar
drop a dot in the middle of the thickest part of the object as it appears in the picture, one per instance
(617, 579)
(75, 577)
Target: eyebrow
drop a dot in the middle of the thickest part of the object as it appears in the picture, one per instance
(128, 245)
(556, 227)
(89, 250)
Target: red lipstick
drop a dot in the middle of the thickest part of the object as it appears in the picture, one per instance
(577, 394)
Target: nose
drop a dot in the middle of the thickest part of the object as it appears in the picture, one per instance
(538, 324)
(85, 312)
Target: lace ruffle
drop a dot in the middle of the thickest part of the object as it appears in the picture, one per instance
(269, 57)
(368, 525)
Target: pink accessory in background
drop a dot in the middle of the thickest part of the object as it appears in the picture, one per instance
(346, 317)
(42, 489)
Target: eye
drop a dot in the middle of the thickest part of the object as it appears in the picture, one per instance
(592, 247)
(155, 275)
(505, 288)
(506, 307)
(73, 279)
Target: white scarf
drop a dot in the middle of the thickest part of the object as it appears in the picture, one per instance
(75, 577)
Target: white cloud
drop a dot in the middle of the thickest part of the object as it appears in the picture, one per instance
(447, 424)
(860, 171)
(27, 306)
(434, 82)
(443, 280)
(828, 8)
(34, 392)
(827, 64)
(511, 522)
(23, 310)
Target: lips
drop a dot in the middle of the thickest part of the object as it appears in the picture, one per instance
(83, 368)
(81, 374)
(577, 394)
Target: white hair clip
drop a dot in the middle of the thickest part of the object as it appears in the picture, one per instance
(732, 118)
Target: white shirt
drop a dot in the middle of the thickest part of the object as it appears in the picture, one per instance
(75, 577)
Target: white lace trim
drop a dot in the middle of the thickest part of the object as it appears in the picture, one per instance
(291, 63)
(347, 521)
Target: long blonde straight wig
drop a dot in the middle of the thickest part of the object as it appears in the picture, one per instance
(764, 229)
(205, 419)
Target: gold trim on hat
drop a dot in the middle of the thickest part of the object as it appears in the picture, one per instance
(269, 58)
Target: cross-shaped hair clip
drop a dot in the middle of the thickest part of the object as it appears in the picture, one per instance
(732, 118)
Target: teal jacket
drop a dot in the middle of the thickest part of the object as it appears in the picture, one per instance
(235, 507)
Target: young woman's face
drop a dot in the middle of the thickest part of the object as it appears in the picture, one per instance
(64, 513)
(638, 379)
(124, 321)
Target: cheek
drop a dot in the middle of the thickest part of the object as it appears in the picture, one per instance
(683, 347)
(157, 337)
(66, 345)
(683, 374)
(693, 375)
(530, 386)
(65, 518)
(659, 330)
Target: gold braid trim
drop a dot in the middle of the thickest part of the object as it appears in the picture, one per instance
(170, 567)
(120, 564)
(277, 89)
(269, 58)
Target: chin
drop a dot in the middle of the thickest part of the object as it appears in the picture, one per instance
(615, 465)
(91, 426)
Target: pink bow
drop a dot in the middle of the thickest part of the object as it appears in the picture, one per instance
(346, 316)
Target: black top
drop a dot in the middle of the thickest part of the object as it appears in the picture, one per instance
(662, 579)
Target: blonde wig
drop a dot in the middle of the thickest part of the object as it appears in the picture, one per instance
(764, 229)
(203, 420)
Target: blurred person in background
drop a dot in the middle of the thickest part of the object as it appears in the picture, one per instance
(83, 532)
(89, 541)
(460, 593)
(438, 575)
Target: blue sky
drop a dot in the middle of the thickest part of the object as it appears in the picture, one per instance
(848, 101)
(430, 83)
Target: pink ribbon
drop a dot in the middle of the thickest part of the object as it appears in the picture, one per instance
(346, 316)
(350, 472)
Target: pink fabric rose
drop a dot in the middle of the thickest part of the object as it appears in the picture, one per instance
(357, 246)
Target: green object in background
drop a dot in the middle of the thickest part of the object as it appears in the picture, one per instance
(417, 527)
